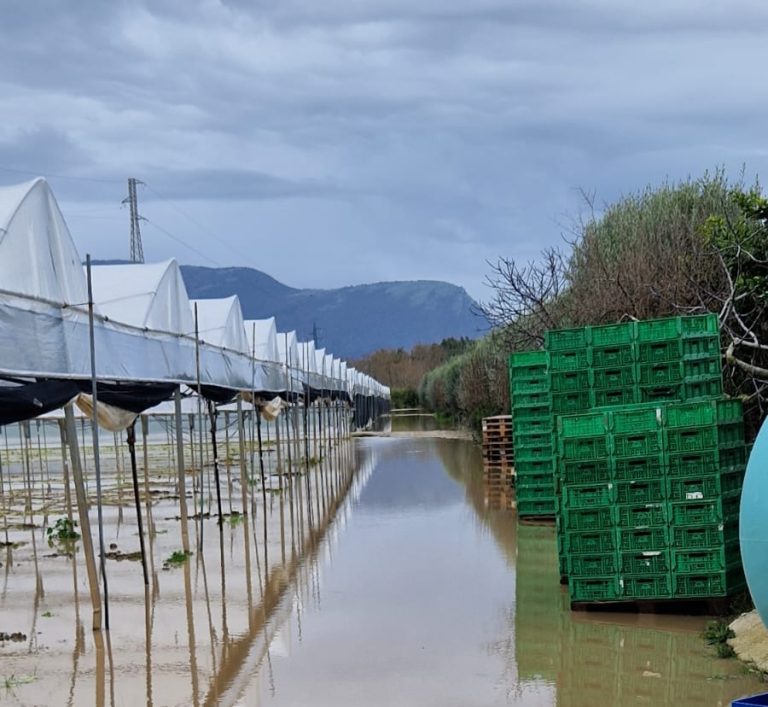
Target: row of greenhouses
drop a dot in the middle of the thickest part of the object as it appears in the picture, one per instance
(133, 328)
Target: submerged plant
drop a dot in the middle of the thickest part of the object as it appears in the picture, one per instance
(717, 634)
(14, 680)
(724, 650)
(62, 531)
(236, 519)
(178, 558)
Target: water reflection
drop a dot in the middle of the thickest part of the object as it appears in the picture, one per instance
(404, 587)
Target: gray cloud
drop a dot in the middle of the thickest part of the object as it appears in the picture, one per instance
(414, 139)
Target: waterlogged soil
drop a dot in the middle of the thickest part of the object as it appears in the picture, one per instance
(412, 590)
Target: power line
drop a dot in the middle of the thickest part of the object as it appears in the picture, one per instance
(181, 242)
(205, 231)
(39, 173)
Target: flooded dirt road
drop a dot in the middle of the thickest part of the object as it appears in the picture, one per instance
(430, 598)
(408, 591)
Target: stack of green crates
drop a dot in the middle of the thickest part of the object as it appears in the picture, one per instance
(649, 501)
(529, 387)
(606, 379)
(673, 359)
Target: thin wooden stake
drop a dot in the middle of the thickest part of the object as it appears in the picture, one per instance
(82, 512)
(95, 433)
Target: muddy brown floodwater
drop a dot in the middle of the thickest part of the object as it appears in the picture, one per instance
(412, 591)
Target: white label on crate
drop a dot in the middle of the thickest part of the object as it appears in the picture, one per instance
(694, 496)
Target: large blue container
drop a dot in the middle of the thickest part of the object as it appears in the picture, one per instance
(753, 526)
(751, 701)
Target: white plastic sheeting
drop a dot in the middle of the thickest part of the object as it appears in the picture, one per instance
(288, 352)
(143, 319)
(262, 345)
(146, 295)
(308, 364)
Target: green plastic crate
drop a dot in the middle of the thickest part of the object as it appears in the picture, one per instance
(585, 472)
(699, 325)
(530, 454)
(526, 359)
(587, 495)
(660, 393)
(535, 481)
(522, 413)
(641, 468)
(707, 536)
(660, 374)
(583, 425)
(697, 463)
(528, 399)
(636, 419)
(570, 381)
(729, 410)
(714, 584)
(696, 414)
(566, 339)
(612, 397)
(588, 519)
(702, 368)
(532, 372)
(703, 388)
(637, 444)
(536, 507)
(590, 589)
(583, 448)
(612, 334)
(691, 439)
(531, 439)
(658, 329)
(570, 403)
(701, 347)
(703, 488)
(525, 467)
(636, 492)
(695, 513)
(591, 565)
(659, 351)
(648, 587)
(643, 563)
(733, 458)
(643, 539)
(533, 384)
(612, 356)
(730, 505)
(531, 492)
(615, 378)
(705, 560)
(642, 516)
(730, 435)
(589, 541)
(568, 360)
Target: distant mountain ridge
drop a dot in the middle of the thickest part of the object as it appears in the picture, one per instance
(351, 321)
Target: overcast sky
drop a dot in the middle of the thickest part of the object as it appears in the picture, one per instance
(333, 142)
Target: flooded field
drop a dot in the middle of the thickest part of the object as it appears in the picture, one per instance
(385, 579)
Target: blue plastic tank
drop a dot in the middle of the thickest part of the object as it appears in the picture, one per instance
(753, 524)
